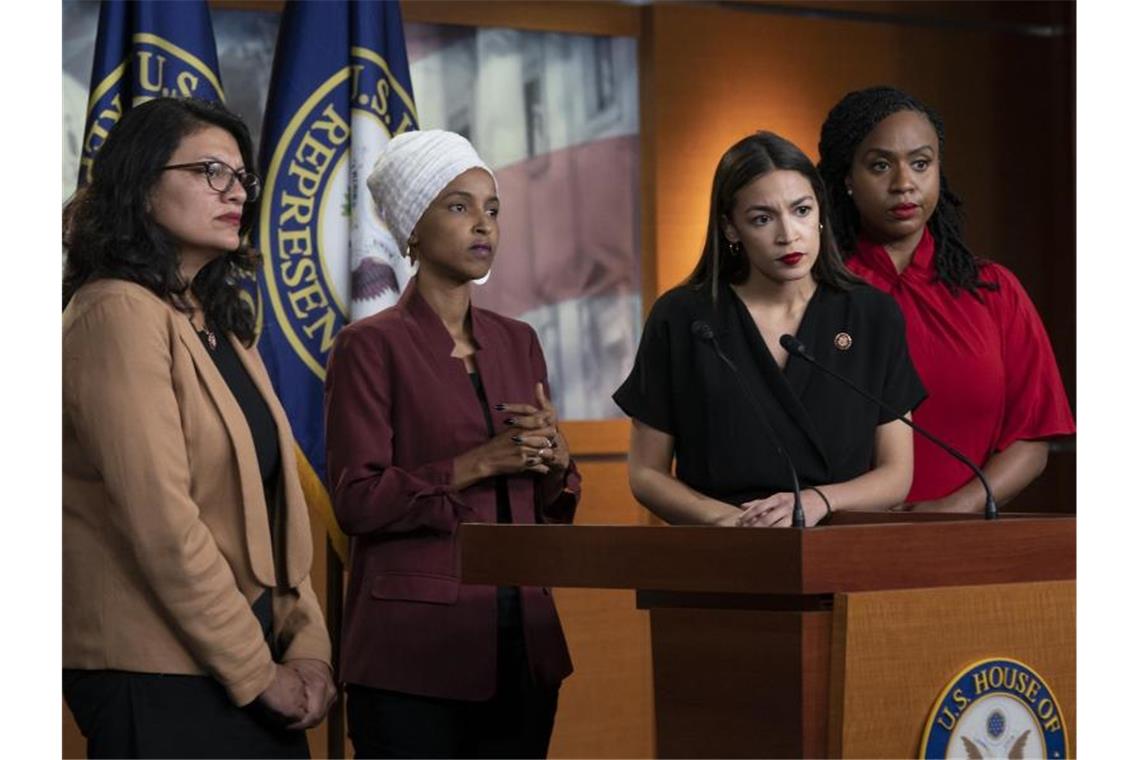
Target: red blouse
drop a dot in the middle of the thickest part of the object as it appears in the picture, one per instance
(987, 365)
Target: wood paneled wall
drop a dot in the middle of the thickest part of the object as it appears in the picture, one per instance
(1002, 74)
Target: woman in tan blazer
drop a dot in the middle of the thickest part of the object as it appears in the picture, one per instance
(190, 627)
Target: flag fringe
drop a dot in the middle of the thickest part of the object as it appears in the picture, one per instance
(317, 497)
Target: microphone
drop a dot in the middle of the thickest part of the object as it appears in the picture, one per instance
(703, 331)
(795, 347)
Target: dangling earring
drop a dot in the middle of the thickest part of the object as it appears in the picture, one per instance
(735, 247)
(413, 260)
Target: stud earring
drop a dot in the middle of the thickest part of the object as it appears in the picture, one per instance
(850, 191)
(735, 247)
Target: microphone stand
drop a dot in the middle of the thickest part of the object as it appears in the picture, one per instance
(796, 348)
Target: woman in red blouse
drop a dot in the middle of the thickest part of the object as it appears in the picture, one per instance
(973, 333)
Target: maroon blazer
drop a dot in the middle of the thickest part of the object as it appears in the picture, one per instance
(399, 408)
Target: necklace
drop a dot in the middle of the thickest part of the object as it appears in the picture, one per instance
(211, 338)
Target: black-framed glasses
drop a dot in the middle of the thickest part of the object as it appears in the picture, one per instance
(220, 177)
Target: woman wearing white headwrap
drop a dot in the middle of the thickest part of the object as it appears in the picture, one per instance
(438, 413)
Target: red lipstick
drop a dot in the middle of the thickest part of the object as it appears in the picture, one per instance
(791, 259)
(904, 210)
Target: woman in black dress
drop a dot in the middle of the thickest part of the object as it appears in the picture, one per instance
(711, 383)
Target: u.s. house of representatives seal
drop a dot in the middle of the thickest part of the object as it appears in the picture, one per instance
(318, 209)
(996, 708)
(156, 68)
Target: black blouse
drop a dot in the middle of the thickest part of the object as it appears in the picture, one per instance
(257, 416)
(680, 386)
(510, 610)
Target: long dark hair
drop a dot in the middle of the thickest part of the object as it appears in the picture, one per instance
(752, 157)
(108, 231)
(847, 125)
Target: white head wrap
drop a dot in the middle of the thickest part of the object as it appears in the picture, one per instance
(411, 172)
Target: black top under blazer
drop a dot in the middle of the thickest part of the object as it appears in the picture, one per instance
(679, 386)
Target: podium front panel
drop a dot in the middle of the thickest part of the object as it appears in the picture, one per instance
(894, 652)
(740, 682)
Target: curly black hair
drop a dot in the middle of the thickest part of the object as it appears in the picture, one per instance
(756, 155)
(108, 231)
(847, 125)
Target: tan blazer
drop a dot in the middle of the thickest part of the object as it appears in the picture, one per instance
(165, 531)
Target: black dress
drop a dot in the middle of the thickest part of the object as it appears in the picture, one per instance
(680, 386)
(126, 714)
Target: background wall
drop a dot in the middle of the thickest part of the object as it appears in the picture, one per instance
(1002, 74)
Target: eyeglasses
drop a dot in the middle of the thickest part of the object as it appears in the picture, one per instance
(220, 177)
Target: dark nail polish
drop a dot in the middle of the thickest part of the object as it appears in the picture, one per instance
(553, 444)
(517, 439)
(509, 420)
(500, 407)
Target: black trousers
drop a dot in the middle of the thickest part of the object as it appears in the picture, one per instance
(516, 722)
(124, 714)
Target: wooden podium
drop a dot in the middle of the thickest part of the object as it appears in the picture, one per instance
(831, 641)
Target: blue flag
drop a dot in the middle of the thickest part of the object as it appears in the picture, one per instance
(145, 50)
(340, 90)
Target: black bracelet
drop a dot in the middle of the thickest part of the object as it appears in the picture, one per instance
(826, 503)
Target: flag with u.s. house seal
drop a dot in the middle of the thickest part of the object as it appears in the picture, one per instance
(340, 90)
(146, 50)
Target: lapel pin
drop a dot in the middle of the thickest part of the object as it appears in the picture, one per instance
(842, 341)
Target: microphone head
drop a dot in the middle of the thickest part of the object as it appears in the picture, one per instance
(792, 345)
(702, 329)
